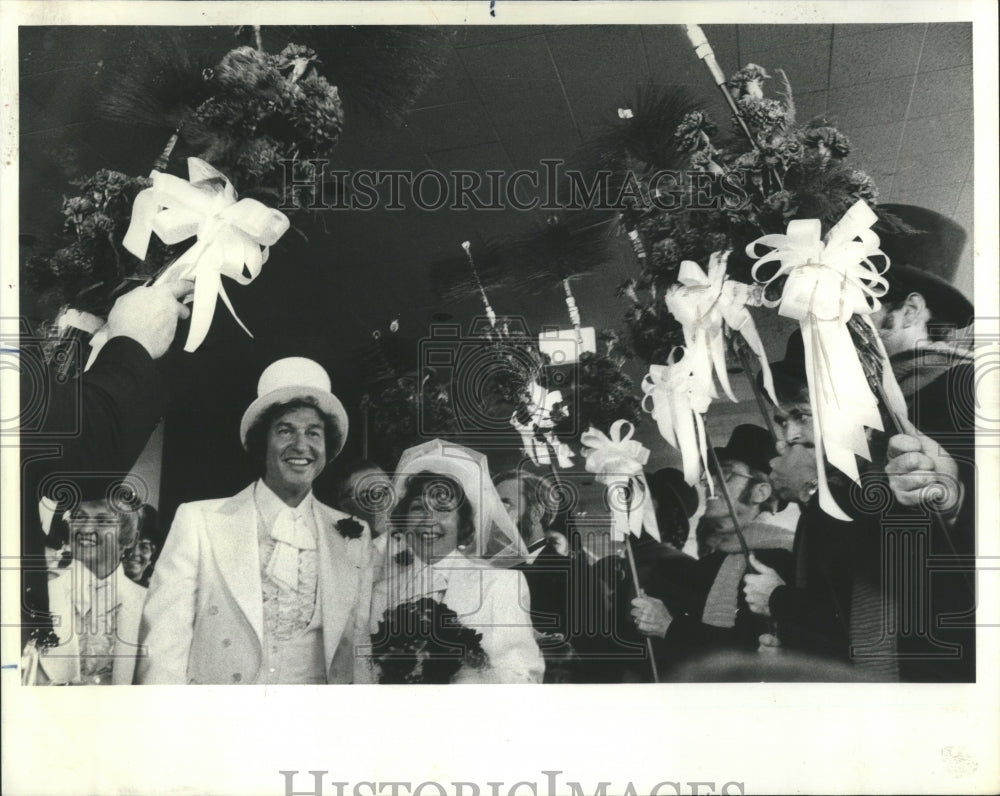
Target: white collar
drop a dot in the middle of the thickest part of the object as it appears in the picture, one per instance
(270, 505)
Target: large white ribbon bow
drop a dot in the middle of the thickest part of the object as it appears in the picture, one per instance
(233, 236)
(677, 399)
(538, 439)
(827, 283)
(617, 461)
(701, 303)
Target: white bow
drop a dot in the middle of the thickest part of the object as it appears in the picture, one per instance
(701, 303)
(291, 534)
(617, 461)
(676, 399)
(827, 284)
(232, 236)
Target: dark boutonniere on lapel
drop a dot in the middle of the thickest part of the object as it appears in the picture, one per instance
(350, 528)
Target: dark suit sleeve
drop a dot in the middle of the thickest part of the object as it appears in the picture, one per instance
(813, 614)
(99, 425)
(119, 402)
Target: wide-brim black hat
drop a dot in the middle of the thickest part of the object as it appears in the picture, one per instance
(668, 484)
(750, 444)
(925, 261)
(946, 303)
(789, 373)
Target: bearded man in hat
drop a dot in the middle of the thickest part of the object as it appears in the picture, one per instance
(919, 315)
(838, 602)
(269, 586)
(714, 614)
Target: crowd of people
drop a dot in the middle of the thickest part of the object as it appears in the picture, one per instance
(271, 586)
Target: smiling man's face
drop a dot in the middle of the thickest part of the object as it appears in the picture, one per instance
(296, 453)
(93, 536)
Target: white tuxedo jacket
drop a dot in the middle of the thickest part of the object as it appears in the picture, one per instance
(62, 664)
(204, 615)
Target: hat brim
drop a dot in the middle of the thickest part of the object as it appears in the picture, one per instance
(947, 302)
(328, 404)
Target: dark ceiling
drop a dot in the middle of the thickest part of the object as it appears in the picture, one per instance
(507, 98)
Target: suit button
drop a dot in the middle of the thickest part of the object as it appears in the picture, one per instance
(226, 642)
(237, 677)
(213, 610)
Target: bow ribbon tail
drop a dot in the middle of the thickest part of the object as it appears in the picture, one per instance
(648, 515)
(229, 306)
(717, 348)
(740, 320)
(893, 393)
(686, 425)
(702, 449)
(826, 501)
(140, 228)
(622, 521)
(207, 285)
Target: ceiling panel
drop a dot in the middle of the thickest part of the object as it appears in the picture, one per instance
(810, 104)
(451, 126)
(947, 45)
(763, 38)
(807, 65)
(868, 103)
(875, 144)
(940, 92)
(672, 59)
(505, 66)
(938, 133)
(937, 168)
(615, 52)
(876, 55)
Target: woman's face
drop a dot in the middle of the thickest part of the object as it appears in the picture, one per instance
(138, 558)
(432, 523)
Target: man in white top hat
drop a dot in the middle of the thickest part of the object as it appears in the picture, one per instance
(269, 586)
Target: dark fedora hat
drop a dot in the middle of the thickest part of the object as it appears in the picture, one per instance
(790, 380)
(668, 485)
(925, 261)
(750, 444)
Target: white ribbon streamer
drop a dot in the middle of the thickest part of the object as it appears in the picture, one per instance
(617, 461)
(701, 303)
(676, 398)
(537, 437)
(827, 284)
(233, 236)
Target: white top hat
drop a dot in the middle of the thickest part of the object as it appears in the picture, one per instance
(291, 378)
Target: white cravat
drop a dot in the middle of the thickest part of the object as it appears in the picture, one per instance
(291, 533)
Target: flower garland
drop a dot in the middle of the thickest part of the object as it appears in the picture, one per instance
(87, 271)
(788, 171)
(423, 641)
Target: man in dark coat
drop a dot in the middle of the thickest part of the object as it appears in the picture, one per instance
(917, 322)
(79, 436)
(553, 570)
(692, 607)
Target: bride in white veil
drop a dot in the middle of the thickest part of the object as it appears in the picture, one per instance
(453, 541)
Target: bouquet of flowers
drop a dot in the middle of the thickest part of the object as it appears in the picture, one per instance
(423, 641)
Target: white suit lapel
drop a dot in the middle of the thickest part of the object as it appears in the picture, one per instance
(232, 533)
(339, 577)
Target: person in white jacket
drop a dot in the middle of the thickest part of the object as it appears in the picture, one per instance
(453, 541)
